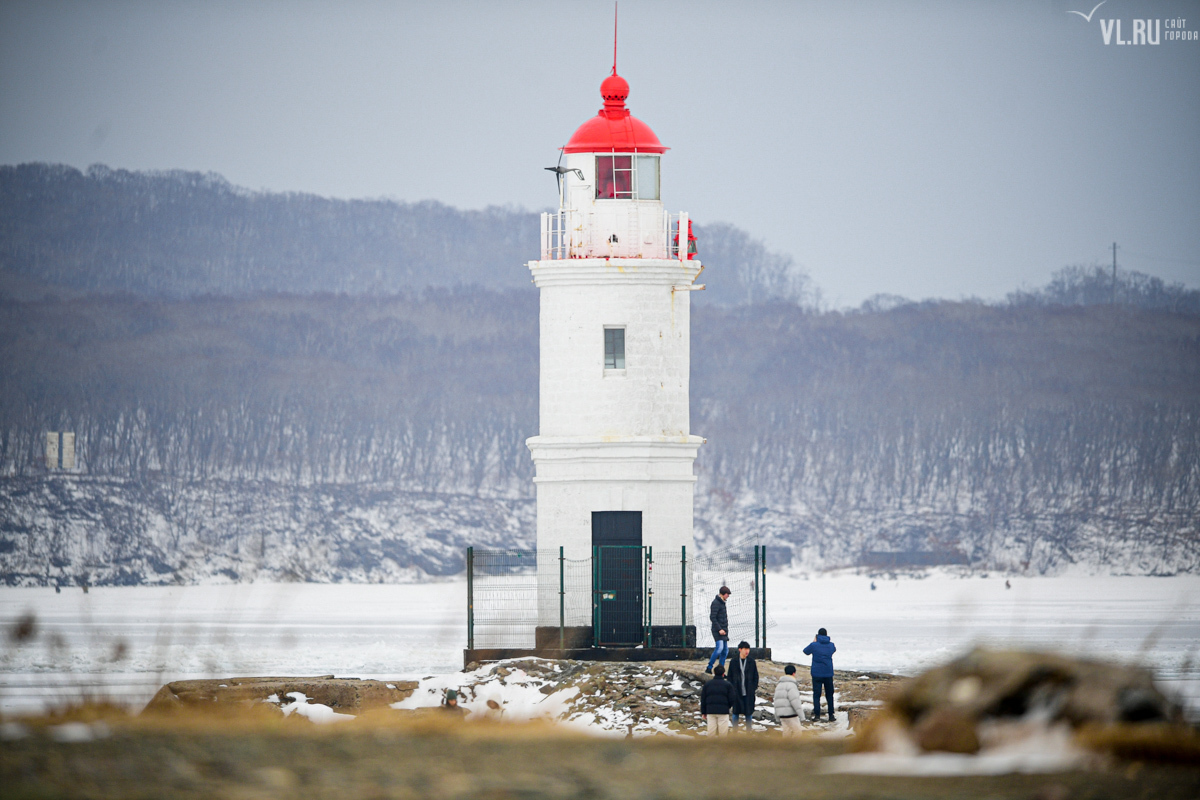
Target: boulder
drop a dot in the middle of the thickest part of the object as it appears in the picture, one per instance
(856, 716)
(991, 699)
(993, 683)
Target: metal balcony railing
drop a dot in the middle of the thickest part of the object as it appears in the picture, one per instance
(568, 233)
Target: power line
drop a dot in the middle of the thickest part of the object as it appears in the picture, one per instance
(1161, 258)
(1114, 288)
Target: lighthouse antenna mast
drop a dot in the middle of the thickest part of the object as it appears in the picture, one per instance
(614, 72)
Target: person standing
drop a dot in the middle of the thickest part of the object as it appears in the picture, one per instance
(450, 703)
(718, 615)
(822, 649)
(743, 674)
(787, 702)
(716, 701)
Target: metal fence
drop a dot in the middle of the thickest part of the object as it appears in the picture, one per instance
(743, 569)
(502, 597)
(619, 596)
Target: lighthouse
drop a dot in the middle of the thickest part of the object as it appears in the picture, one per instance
(614, 452)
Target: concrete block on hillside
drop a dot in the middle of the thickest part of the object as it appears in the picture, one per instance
(346, 695)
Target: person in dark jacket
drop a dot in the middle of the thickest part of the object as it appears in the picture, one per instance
(822, 650)
(743, 674)
(719, 617)
(717, 699)
(450, 703)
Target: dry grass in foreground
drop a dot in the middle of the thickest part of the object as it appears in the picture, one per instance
(99, 753)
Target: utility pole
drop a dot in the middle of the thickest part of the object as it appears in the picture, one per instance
(1114, 288)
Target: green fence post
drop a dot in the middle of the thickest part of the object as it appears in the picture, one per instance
(650, 596)
(763, 551)
(595, 596)
(756, 595)
(562, 603)
(470, 598)
(645, 577)
(683, 597)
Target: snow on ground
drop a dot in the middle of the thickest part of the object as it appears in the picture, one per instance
(319, 713)
(1051, 750)
(124, 642)
(515, 696)
(909, 624)
(176, 633)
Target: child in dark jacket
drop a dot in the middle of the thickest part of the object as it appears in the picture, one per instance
(717, 699)
(822, 650)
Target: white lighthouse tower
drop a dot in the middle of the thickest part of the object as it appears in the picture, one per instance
(614, 454)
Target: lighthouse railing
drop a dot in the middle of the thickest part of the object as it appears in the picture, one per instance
(555, 238)
(605, 233)
(677, 223)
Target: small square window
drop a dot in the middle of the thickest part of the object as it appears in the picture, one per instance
(614, 348)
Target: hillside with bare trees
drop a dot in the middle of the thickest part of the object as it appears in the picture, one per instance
(369, 422)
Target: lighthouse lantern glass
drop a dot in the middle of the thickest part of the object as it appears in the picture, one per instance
(626, 177)
(614, 177)
(646, 171)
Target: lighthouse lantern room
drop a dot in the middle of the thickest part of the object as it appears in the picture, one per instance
(614, 454)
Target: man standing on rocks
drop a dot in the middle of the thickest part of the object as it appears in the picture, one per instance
(719, 617)
(822, 649)
(743, 674)
(717, 699)
(787, 702)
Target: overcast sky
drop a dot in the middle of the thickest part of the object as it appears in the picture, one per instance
(932, 149)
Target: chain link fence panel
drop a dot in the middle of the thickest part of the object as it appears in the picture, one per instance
(526, 599)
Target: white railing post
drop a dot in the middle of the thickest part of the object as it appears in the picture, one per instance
(683, 234)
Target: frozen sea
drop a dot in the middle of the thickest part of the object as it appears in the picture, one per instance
(124, 642)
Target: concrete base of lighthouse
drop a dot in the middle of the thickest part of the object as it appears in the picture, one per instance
(634, 654)
(577, 476)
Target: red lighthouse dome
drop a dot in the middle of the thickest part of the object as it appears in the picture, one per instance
(614, 129)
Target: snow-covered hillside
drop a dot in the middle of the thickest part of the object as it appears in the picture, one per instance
(111, 532)
(70, 529)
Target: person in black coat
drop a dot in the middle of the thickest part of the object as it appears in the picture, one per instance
(718, 615)
(743, 674)
(717, 700)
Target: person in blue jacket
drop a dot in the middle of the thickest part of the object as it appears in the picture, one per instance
(822, 650)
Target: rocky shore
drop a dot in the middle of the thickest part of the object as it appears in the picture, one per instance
(614, 698)
(637, 698)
